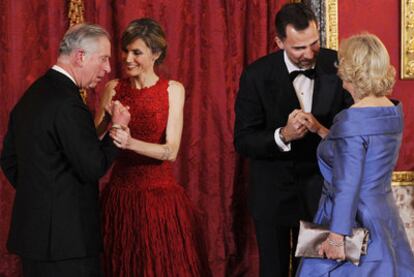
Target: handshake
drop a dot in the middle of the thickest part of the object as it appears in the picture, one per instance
(120, 118)
(299, 124)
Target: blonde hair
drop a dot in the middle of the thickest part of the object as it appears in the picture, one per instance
(364, 62)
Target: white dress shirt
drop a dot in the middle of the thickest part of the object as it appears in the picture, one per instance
(304, 91)
(64, 72)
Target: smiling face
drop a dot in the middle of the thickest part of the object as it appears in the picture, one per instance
(138, 58)
(302, 47)
(95, 63)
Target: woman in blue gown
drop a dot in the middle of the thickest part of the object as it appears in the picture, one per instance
(356, 158)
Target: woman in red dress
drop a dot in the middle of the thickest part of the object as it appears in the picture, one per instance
(148, 221)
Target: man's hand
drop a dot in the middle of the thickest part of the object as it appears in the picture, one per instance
(294, 128)
(120, 114)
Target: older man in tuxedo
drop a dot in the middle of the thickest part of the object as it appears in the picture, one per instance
(53, 158)
(285, 99)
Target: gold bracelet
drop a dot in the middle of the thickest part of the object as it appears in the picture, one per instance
(116, 126)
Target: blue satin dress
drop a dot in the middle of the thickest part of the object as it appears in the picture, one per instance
(357, 159)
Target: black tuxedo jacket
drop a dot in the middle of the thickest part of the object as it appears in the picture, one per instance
(54, 159)
(265, 99)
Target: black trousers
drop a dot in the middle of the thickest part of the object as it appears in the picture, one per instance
(277, 246)
(77, 267)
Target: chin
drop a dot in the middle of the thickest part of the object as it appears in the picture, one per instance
(132, 72)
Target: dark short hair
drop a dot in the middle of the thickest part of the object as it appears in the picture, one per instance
(297, 14)
(150, 32)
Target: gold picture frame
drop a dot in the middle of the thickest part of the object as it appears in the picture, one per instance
(403, 178)
(331, 24)
(407, 39)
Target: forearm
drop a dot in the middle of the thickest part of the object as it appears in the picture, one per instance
(166, 151)
(101, 125)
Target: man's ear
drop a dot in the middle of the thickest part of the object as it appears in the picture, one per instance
(79, 56)
(279, 43)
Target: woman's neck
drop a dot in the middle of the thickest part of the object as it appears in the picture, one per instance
(372, 101)
(144, 81)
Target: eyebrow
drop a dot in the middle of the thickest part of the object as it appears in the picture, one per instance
(304, 46)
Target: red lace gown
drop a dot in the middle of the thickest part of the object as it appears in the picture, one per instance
(149, 226)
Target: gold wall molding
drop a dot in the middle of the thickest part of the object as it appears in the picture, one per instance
(331, 24)
(403, 178)
(407, 39)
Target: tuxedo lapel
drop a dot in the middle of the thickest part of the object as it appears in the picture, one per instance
(281, 88)
(324, 91)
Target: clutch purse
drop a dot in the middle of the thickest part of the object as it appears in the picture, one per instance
(312, 235)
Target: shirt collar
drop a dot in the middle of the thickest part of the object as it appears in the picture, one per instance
(64, 72)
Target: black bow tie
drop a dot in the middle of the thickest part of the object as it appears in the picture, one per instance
(310, 73)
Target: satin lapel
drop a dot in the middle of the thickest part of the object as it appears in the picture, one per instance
(323, 92)
(281, 89)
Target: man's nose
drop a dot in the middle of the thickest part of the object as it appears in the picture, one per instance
(309, 53)
(107, 67)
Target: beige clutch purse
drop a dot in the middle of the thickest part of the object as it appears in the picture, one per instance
(312, 235)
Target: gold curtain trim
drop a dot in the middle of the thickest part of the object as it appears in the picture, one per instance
(75, 12)
(76, 15)
(403, 178)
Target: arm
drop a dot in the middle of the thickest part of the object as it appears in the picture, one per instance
(87, 155)
(8, 158)
(102, 117)
(251, 137)
(348, 170)
(348, 167)
(169, 150)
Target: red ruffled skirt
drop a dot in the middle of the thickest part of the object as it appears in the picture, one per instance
(150, 232)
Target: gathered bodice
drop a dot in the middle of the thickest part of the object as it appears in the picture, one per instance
(149, 115)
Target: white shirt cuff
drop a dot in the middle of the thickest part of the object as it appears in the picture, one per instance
(282, 146)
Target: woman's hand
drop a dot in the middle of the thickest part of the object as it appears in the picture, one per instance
(108, 108)
(121, 136)
(333, 247)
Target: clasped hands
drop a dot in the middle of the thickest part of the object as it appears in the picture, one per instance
(299, 124)
(119, 130)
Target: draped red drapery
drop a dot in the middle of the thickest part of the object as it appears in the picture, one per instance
(209, 44)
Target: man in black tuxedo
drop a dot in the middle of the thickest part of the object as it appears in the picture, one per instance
(285, 100)
(53, 158)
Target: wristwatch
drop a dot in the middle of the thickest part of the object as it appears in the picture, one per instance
(281, 136)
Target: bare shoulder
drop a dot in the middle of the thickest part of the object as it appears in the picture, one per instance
(176, 87)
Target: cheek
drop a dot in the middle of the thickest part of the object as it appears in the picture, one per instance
(296, 55)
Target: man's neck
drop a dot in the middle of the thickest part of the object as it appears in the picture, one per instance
(67, 69)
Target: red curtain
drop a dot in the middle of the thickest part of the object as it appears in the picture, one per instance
(209, 44)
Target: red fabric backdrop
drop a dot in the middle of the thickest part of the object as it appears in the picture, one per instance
(209, 44)
(356, 16)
